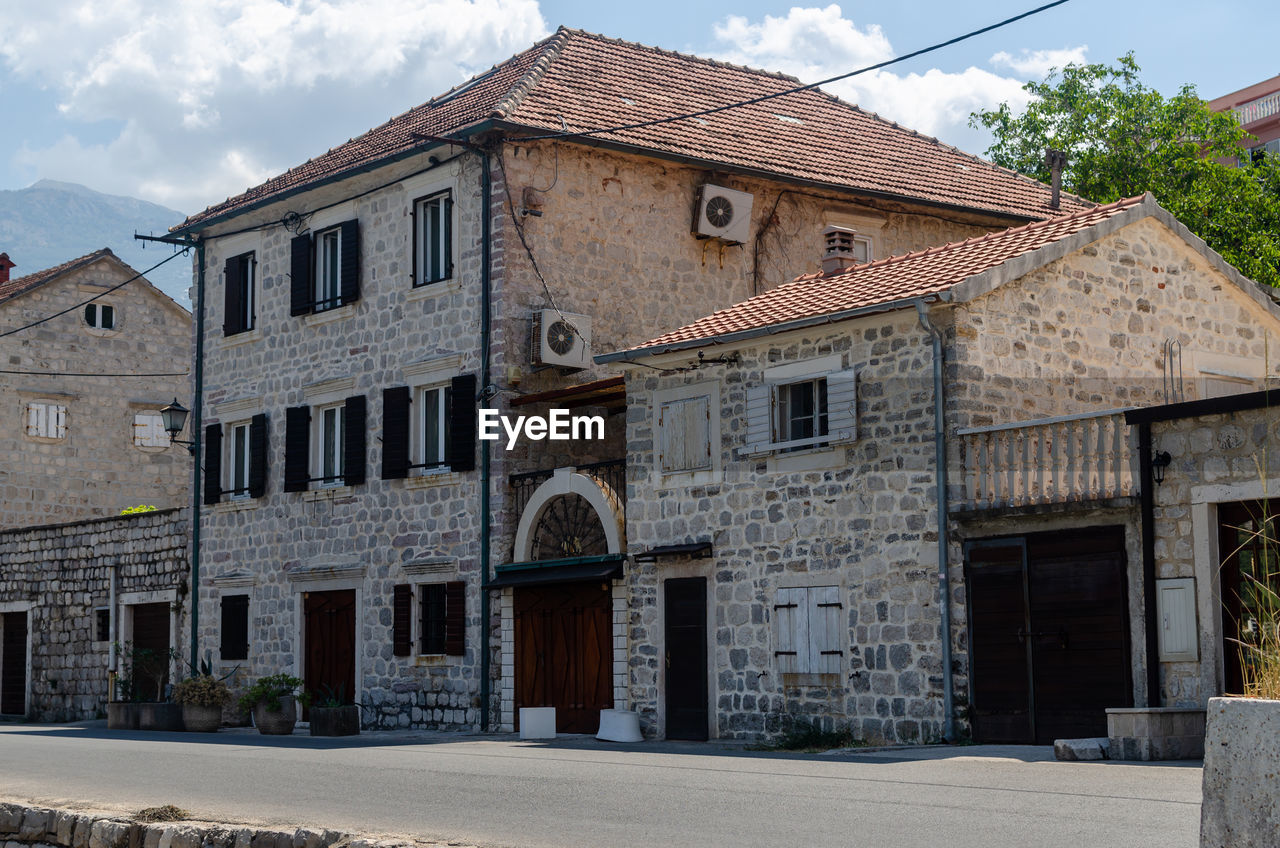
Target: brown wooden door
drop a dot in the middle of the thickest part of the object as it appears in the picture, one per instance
(685, 657)
(13, 664)
(1049, 635)
(330, 659)
(563, 655)
(150, 650)
(1249, 574)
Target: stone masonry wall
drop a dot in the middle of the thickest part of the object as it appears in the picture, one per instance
(860, 517)
(96, 470)
(62, 574)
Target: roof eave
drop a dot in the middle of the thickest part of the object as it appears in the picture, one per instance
(738, 336)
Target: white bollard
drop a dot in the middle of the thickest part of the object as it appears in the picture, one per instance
(537, 722)
(619, 726)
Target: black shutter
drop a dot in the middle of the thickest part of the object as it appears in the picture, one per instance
(235, 627)
(401, 640)
(300, 284)
(455, 618)
(462, 423)
(350, 270)
(353, 448)
(297, 448)
(233, 298)
(395, 433)
(212, 463)
(258, 456)
(414, 241)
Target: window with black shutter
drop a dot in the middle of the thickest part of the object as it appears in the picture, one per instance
(402, 622)
(300, 301)
(297, 448)
(355, 440)
(212, 463)
(239, 294)
(463, 415)
(433, 238)
(235, 627)
(455, 619)
(258, 456)
(432, 619)
(324, 269)
(395, 433)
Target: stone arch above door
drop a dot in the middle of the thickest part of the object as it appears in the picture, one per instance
(599, 497)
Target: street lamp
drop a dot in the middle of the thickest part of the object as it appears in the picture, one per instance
(1159, 463)
(174, 417)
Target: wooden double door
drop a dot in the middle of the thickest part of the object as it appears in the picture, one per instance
(330, 650)
(1048, 635)
(563, 652)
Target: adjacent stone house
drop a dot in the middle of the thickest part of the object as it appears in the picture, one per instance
(790, 526)
(82, 392)
(70, 592)
(358, 312)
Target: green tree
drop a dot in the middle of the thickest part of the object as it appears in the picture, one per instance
(1122, 139)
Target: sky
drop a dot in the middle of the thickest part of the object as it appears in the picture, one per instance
(187, 102)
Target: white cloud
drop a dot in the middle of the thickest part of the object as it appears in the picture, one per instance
(817, 43)
(1038, 63)
(212, 96)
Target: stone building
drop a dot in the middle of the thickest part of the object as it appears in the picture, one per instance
(82, 398)
(358, 310)
(69, 591)
(784, 482)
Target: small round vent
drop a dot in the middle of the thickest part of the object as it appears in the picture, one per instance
(719, 212)
(560, 337)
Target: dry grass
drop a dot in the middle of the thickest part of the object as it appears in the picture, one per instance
(167, 813)
(1259, 642)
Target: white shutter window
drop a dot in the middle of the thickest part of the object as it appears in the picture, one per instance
(791, 629)
(842, 405)
(685, 434)
(759, 417)
(34, 414)
(825, 642)
(59, 416)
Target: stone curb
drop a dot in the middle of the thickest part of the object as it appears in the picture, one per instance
(23, 826)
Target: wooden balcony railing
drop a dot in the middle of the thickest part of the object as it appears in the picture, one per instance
(1072, 458)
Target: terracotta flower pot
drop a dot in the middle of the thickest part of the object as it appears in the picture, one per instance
(276, 722)
(201, 718)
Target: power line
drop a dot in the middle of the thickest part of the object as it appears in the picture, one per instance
(92, 299)
(797, 89)
(87, 374)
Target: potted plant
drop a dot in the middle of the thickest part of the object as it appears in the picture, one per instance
(150, 669)
(122, 707)
(273, 702)
(333, 715)
(202, 698)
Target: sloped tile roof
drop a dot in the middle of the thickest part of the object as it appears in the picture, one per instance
(21, 285)
(911, 275)
(581, 82)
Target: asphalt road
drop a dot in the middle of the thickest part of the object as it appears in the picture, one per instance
(578, 792)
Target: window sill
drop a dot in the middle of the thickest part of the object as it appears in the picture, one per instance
(328, 316)
(814, 459)
(101, 332)
(430, 660)
(45, 440)
(247, 337)
(430, 290)
(234, 505)
(432, 478)
(673, 479)
(327, 493)
(792, 678)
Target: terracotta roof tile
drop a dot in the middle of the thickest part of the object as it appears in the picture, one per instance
(588, 82)
(911, 275)
(21, 285)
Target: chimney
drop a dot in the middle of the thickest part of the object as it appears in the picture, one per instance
(1055, 161)
(840, 251)
(5, 264)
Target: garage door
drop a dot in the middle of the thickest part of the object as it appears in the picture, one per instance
(1049, 634)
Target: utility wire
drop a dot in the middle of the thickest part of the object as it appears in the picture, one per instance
(92, 299)
(797, 89)
(87, 374)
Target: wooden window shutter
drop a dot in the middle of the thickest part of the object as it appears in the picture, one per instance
(301, 287)
(297, 448)
(842, 405)
(414, 237)
(395, 433)
(825, 640)
(233, 298)
(258, 456)
(455, 618)
(212, 463)
(759, 417)
(462, 423)
(350, 270)
(788, 611)
(401, 628)
(235, 627)
(355, 441)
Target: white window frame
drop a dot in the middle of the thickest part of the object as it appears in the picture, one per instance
(664, 397)
(784, 422)
(249, 298)
(98, 310)
(234, 467)
(327, 287)
(320, 454)
(430, 459)
(443, 240)
(809, 630)
(45, 419)
(149, 434)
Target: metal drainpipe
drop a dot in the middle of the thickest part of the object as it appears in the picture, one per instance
(940, 462)
(113, 633)
(1148, 508)
(197, 434)
(486, 230)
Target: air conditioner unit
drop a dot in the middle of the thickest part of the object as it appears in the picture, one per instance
(723, 213)
(562, 339)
